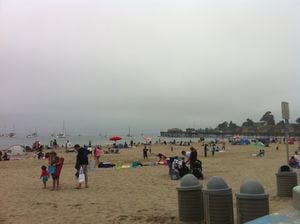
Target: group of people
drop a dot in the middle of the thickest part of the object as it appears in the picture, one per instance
(190, 157)
(55, 165)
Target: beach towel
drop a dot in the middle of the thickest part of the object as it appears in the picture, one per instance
(106, 165)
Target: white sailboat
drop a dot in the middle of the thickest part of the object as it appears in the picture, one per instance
(129, 135)
(63, 133)
(33, 135)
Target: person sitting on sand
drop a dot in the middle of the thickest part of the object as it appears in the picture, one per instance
(297, 158)
(5, 156)
(162, 158)
(186, 156)
(293, 162)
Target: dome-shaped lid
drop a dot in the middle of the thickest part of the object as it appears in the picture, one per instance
(189, 180)
(252, 187)
(216, 183)
(285, 168)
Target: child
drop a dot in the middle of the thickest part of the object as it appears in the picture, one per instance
(55, 176)
(45, 175)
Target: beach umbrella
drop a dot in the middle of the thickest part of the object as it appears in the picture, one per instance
(115, 138)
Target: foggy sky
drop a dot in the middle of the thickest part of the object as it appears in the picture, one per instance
(105, 66)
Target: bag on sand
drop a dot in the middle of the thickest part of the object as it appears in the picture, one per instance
(81, 177)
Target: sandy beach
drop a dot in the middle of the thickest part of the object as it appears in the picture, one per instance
(133, 195)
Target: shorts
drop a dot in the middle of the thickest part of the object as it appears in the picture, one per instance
(54, 177)
(45, 179)
(85, 169)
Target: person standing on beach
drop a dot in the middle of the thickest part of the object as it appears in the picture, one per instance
(44, 175)
(145, 152)
(205, 149)
(56, 175)
(82, 162)
(193, 157)
(97, 154)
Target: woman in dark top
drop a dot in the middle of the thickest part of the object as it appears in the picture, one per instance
(193, 157)
(82, 161)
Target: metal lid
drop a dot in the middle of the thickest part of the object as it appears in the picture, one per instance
(285, 168)
(252, 187)
(216, 183)
(189, 182)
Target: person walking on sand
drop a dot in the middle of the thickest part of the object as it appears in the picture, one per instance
(44, 175)
(56, 175)
(82, 162)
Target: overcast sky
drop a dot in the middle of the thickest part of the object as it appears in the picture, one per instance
(106, 65)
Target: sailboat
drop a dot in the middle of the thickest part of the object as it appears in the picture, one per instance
(129, 135)
(32, 135)
(12, 134)
(63, 133)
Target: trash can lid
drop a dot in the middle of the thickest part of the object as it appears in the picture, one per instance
(284, 168)
(216, 183)
(189, 180)
(252, 187)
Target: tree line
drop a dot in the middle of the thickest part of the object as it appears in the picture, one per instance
(266, 125)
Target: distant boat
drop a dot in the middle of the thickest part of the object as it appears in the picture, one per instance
(63, 133)
(33, 135)
(129, 135)
(11, 134)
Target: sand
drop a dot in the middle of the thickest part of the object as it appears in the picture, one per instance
(134, 195)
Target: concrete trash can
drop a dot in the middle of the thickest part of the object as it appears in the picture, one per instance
(296, 197)
(190, 202)
(286, 180)
(252, 202)
(217, 201)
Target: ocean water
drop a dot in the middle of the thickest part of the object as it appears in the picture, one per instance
(83, 140)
